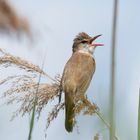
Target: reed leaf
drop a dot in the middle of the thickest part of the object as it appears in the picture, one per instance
(139, 117)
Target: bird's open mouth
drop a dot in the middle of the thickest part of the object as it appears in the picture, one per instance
(92, 40)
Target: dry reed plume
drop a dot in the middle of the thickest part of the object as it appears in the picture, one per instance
(11, 22)
(23, 90)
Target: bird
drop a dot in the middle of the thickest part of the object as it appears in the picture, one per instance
(77, 74)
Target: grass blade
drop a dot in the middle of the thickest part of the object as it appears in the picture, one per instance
(34, 106)
(113, 72)
(32, 122)
(139, 117)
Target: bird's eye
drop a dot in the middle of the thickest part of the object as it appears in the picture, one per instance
(84, 42)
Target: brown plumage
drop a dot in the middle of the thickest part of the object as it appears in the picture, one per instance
(77, 75)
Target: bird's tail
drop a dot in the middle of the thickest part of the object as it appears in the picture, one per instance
(69, 112)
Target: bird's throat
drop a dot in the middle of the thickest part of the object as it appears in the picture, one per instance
(88, 51)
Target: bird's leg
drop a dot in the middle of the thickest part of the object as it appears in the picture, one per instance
(60, 93)
(82, 103)
(60, 96)
(91, 106)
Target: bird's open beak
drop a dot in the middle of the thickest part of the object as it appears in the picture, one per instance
(94, 38)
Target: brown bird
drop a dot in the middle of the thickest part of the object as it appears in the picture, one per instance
(77, 74)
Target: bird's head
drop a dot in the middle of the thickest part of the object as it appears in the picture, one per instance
(85, 43)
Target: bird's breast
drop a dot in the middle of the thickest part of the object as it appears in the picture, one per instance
(78, 72)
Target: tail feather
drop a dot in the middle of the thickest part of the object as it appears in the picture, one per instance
(69, 113)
